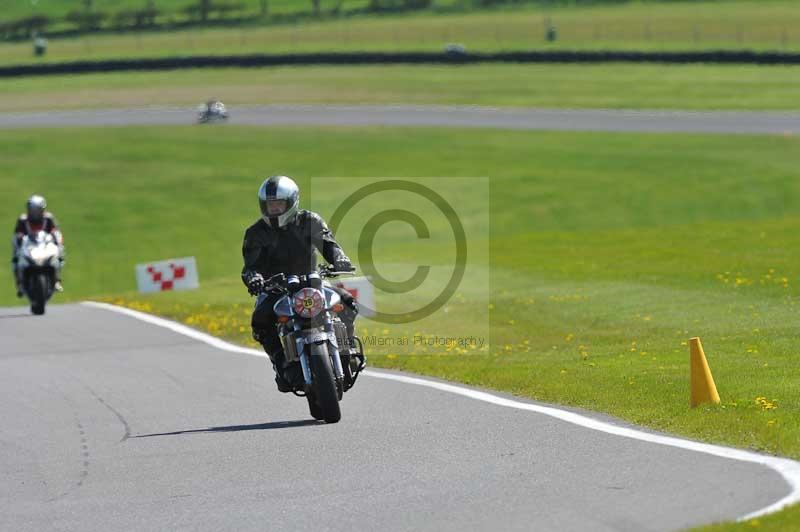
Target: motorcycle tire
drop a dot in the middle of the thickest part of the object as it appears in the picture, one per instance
(325, 393)
(314, 408)
(38, 294)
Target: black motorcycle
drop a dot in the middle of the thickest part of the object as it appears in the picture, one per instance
(313, 335)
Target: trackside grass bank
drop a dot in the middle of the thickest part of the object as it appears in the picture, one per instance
(758, 25)
(607, 252)
(572, 86)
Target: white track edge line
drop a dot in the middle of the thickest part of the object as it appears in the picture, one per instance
(788, 469)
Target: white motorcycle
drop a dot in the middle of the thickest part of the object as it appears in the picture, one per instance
(38, 258)
(212, 112)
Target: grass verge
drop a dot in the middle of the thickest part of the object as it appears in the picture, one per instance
(567, 86)
(759, 25)
(607, 252)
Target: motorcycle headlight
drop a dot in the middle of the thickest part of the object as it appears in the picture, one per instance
(308, 302)
(38, 255)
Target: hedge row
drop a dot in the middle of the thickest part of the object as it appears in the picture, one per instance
(372, 58)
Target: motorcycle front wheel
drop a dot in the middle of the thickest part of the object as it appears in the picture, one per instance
(39, 285)
(325, 393)
(314, 408)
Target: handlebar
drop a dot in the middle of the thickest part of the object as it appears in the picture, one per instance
(330, 272)
(278, 281)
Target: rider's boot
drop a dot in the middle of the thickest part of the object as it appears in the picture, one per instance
(58, 286)
(348, 318)
(358, 361)
(277, 361)
(288, 377)
(15, 273)
(283, 385)
(18, 282)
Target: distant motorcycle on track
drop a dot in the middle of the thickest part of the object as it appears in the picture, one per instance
(38, 259)
(213, 111)
(314, 336)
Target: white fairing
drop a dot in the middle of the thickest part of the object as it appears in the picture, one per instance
(39, 250)
(219, 108)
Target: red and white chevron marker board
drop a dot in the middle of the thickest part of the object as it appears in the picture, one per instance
(362, 290)
(165, 275)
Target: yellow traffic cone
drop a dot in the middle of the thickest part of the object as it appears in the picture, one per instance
(703, 388)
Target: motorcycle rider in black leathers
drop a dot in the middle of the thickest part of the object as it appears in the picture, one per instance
(285, 240)
(36, 218)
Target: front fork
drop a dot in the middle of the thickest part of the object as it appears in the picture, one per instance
(333, 348)
(306, 369)
(333, 352)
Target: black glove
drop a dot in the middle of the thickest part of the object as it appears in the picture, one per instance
(343, 264)
(255, 284)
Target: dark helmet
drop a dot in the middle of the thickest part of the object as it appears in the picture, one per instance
(37, 206)
(279, 200)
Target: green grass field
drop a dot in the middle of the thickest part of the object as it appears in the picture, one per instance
(608, 251)
(770, 24)
(594, 86)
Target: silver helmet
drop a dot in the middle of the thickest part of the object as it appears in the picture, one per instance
(37, 206)
(279, 199)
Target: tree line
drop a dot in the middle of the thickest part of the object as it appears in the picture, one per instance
(86, 18)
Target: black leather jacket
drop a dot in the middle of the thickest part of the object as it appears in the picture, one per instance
(290, 250)
(25, 227)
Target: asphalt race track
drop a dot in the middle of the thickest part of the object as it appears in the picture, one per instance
(444, 116)
(109, 423)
